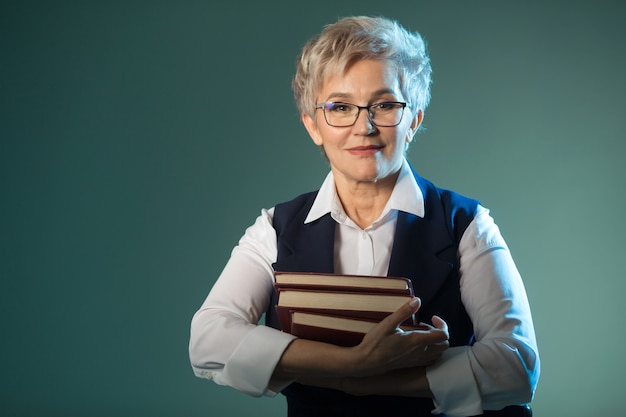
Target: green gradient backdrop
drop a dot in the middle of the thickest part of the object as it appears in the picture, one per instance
(139, 139)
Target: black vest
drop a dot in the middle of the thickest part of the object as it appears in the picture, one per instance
(424, 250)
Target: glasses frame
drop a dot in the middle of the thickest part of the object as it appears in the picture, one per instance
(370, 116)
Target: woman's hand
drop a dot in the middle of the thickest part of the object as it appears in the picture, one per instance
(386, 347)
(391, 361)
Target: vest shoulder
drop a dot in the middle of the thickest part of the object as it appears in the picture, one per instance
(294, 208)
(448, 197)
(455, 199)
(298, 202)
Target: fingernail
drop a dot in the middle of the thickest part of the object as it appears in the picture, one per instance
(414, 302)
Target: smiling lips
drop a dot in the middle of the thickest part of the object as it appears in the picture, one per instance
(368, 150)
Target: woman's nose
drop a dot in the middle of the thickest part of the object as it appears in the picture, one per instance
(364, 121)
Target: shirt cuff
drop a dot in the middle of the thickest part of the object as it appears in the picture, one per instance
(252, 364)
(452, 383)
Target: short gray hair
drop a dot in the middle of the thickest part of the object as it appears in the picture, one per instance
(351, 39)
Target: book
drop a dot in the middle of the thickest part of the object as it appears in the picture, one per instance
(338, 330)
(360, 299)
(341, 300)
(336, 281)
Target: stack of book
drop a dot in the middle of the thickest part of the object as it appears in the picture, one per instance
(338, 309)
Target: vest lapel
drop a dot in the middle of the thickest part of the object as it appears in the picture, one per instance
(422, 252)
(308, 247)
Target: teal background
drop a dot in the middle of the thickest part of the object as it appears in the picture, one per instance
(139, 139)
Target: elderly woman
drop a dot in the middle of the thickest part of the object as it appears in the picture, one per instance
(362, 86)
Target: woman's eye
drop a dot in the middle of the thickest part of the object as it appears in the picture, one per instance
(384, 106)
(340, 108)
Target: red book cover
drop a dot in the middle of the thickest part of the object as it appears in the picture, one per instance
(339, 282)
(342, 300)
(338, 330)
(336, 337)
(284, 315)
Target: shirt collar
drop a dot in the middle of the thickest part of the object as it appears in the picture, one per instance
(406, 196)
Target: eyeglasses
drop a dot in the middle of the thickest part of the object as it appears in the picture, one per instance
(383, 114)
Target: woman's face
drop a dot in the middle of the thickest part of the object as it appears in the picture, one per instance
(363, 152)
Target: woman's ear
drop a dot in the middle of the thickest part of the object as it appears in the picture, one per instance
(418, 119)
(415, 124)
(311, 127)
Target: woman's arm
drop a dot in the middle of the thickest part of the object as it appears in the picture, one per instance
(406, 376)
(502, 366)
(384, 348)
(226, 343)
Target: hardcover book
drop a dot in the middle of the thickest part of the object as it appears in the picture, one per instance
(336, 308)
(349, 282)
(338, 330)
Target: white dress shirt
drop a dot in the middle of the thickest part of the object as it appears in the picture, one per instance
(228, 345)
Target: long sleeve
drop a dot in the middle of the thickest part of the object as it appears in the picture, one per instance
(226, 343)
(502, 366)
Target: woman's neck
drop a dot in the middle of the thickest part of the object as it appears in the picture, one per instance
(364, 202)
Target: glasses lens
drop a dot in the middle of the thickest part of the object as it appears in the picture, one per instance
(340, 114)
(386, 114)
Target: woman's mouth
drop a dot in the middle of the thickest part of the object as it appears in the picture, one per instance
(368, 150)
